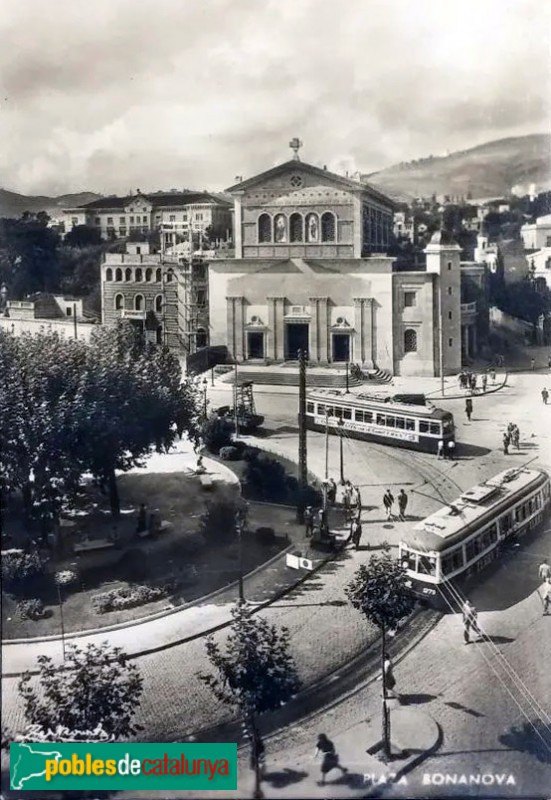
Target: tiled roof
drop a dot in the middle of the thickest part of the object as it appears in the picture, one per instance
(157, 199)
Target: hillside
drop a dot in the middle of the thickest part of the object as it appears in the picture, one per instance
(13, 204)
(490, 170)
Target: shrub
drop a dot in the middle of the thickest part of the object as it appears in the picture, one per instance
(127, 597)
(216, 432)
(266, 478)
(229, 453)
(66, 577)
(217, 523)
(20, 569)
(265, 535)
(249, 454)
(30, 609)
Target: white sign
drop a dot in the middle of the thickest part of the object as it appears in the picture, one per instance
(297, 562)
(376, 430)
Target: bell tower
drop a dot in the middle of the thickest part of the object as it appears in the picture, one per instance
(443, 262)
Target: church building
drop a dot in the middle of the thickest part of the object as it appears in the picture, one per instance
(311, 272)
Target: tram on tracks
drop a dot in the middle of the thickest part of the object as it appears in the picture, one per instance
(450, 546)
(416, 424)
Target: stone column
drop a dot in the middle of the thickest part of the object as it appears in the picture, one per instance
(238, 227)
(279, 303)
(358, 346)
(230, 326)
(313, 343)
(323, 328)
(271, 331)
(368, 334)
(239, 316)
(358, 225)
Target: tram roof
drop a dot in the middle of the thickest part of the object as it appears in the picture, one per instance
(385, 402)
(448, 525)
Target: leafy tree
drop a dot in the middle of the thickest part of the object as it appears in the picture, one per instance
(218, 521)
(266, 477)
(134, 399)
(95, 687)
(28, 255)
(83, 236)
(216, 432)
(255, 674)
(378, 590)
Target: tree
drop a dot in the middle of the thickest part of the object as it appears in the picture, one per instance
(217, 432)
(255, 674)
(94, 688)
(28, 255)
(135, 400)
(378, 590)
(83, 236)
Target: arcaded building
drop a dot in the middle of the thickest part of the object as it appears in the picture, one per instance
(311, 272)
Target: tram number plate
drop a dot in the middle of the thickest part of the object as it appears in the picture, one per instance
(429, 591)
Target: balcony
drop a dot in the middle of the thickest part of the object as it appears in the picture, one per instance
(468, 312)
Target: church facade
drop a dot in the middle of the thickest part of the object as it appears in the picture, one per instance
(311, 273)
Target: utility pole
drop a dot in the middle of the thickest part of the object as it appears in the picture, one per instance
(341, 453)
(441, 334)
(302, 444)
(235, 415)
(75, 320)
(60, 603)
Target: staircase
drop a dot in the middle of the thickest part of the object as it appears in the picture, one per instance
(314, 380)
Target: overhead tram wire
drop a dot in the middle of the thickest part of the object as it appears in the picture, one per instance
(521, 687)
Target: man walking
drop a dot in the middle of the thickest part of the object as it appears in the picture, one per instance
(388, 501)
(402, 505)
(468, 408)
(546, 596)
(544, 570)
(544, 396)
(451, 449)
(484, 381)
(441, 449)
(356, 532)
(506, 443)
(532, 364)
(309, 521)
(470, 621)
(331, 492)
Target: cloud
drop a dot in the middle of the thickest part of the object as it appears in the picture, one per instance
(161, 93)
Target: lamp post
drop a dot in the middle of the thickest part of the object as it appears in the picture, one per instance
(60, 603)
(341, 452)
(205, 401)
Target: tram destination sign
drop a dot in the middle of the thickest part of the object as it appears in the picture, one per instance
(375, 430)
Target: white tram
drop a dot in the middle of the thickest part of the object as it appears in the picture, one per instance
(464, 537)
(389, 420)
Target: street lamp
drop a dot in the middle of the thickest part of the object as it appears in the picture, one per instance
(205, 384)
(60, 604)
(340, 423)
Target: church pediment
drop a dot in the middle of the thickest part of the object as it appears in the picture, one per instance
(138, 206)
(295, 177)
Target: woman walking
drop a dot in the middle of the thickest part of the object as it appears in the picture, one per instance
(330, 759)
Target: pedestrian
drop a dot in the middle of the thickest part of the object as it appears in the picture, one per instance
(506, 443)
(549, 362)
(358, 501)
(473, 382)
(309, 521)
(546, 596)
(388, 502)
(544, 570)
(515, 437)
(451, 449)
(470, 621)
(532, 364)
(402, 505)
(330, 758)
(388, 672)
(484, 381)
(441, 453)
(544, 396)
(468, 408)
(347, 496)
(356, 532)
(460, 380)
(142, 519)
(493, 375)
(331, 492)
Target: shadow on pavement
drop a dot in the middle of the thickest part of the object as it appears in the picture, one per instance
(461, 707)
(285, 777)
(416, 699)
(471, 450)
(353, 780)
(532, 737)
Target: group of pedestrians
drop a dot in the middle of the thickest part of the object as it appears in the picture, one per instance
(511, 437)
(388, 502)
(469, 380)
(446, 451)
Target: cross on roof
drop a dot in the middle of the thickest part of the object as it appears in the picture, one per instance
(295, 144)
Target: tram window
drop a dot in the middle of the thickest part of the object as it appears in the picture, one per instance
(346, 413)
(330, 411)
(410, 424)
(309, 408)
(390, 422)
(368, 416)
(338, 412)
(381, 419)
(452, 561)
(488, 537)
(423, 427)
(321, 410)
(506, 523)
(409, 560)
(400, 423)
(358, 415)
(435, 428)
(427, 565)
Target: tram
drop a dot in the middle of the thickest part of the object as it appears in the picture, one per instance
(463, 538)
(390, 420)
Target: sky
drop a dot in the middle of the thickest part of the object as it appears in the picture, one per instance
(115, 95)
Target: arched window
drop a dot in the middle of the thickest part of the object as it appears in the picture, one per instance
(296, 227)
(280, 228)
(109, 274)
(169, 276)
(158, 275)
(312, 228)
(410, 341)
(148, 274)
(201, 338)
(139, 275)
(119, 302)
(159, 303)
(264, 228)
(128, 274)
(139, 302)
(328, 227)
(118, 275)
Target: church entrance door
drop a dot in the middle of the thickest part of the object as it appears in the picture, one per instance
(296, 338)
(341, 347)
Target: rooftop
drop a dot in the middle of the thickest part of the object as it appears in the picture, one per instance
(157, 200)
